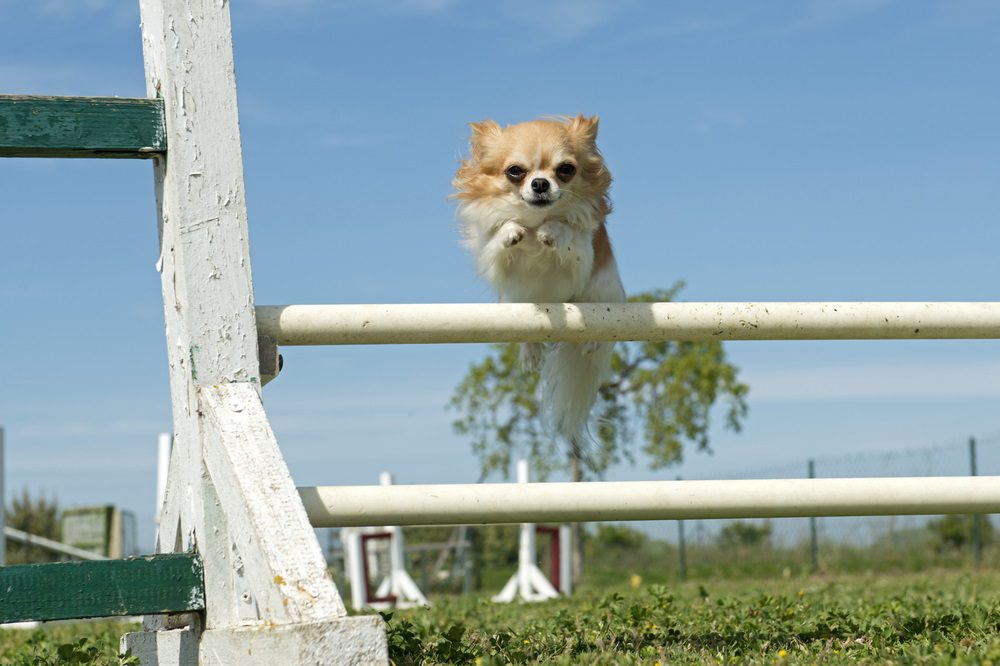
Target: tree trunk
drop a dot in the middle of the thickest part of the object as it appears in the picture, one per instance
(576, 529)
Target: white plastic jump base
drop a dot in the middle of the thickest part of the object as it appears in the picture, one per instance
(528, 582)
(397, 588)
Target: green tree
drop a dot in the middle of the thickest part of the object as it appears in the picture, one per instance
(741, 534)
(39, 517)
(954, 531)
(665, 390)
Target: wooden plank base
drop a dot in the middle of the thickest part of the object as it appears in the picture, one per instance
(167, 583)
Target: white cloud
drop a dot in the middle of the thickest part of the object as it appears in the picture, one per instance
(394, 6)
(695, 25)
(353, 140)
(961, 380)
(92, 430)
(120, 12)
(823, 13)
(65, 8)
(718, 118)
(563, 20)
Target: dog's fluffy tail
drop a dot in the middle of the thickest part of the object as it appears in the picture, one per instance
(571, 376)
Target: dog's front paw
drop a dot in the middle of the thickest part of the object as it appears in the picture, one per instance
(552, 233)
(511, 234)
(546, 239)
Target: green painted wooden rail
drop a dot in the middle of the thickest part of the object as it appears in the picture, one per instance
(81, 127)
(167, 583)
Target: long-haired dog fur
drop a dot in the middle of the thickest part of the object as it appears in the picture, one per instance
(533, 202)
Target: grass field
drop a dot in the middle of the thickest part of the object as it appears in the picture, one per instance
(944, 617)
(930, 618)
(73, 643)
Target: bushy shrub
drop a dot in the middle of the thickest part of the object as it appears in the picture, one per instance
(954, 532)
(744, 534)
(39, 517)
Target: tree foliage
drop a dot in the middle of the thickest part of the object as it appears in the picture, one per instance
(39, 517)
(664, 390)
(955, 531)
(741, 533)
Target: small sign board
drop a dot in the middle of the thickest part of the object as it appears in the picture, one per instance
(106, 530)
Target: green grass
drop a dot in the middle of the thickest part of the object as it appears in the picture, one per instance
(64, 643)
(936, 617)
(905, 619)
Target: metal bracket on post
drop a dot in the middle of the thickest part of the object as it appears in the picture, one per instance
(271, 361)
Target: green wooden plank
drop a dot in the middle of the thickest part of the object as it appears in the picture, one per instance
(168, 583)
(81, 127)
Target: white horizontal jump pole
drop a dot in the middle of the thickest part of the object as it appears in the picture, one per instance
(457, 504)
(581, 322)
(28, 539)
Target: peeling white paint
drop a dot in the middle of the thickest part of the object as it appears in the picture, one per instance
(229, 494)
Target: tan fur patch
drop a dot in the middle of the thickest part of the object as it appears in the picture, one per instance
(602, 249)
(535, 142)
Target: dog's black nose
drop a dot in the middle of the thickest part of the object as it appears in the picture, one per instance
(540, 185)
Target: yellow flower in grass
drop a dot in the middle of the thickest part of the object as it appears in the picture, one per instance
(635, 581)
(782, 653)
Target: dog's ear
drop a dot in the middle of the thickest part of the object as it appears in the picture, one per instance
(585, 128)
(482, 135)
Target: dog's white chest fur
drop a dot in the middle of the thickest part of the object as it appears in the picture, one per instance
(531, 260)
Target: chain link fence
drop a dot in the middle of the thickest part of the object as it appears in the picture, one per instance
(792, 546)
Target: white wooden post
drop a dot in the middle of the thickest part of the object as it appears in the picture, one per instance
(3, 503)
(163, 445)
(566, 560)
(351, 538)
(528, 582)
(269, 597)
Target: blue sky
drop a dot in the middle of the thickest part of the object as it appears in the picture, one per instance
(779, 150)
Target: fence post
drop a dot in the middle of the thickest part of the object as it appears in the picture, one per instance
(977, 535)
(813, 539)
(3, 505)
(163, 446)
(682, 572)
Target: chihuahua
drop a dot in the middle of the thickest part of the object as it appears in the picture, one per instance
(533, 202)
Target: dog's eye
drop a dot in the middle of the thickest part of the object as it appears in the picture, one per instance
(565, 171)
(515, 174)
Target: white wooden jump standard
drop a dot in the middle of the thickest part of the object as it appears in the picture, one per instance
(269, 597)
